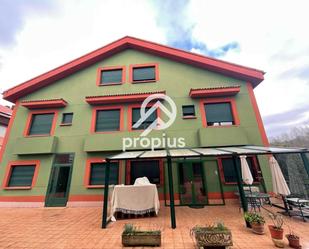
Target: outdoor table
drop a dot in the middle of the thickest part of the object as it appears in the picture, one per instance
(131, 199)
(255, 199)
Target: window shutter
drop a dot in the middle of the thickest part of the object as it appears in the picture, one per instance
(219, 112)
(111, 76)
(136, 115)
(97, 173)
(41, 124)
(21, 176)
(228, 170)
(144, 73)
(108, 120)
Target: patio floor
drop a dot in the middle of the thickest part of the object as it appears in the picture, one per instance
(80, 228)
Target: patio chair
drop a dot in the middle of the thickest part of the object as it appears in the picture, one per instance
(298, 207)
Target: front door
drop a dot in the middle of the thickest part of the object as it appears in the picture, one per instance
(59, 181)
(191, 184)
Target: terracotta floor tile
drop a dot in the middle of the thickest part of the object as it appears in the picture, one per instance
(77, 228)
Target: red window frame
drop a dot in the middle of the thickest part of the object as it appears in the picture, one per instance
(89, 163)
(161, 167)
(219, 100)
(12, 164)
(219, 160)
(100, 108)
(132, 67)
(130, 107)
(101, 69)
(29, 122)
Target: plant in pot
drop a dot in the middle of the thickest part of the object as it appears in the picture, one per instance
(132, 236)
(209, 236)
(293, 240)
(276, 230)
(256, 221)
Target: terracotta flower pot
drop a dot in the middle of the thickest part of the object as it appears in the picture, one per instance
(276, 233)
(257, 228)
(293, 241)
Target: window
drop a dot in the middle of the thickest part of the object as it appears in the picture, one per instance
(219, 114)
(97, 173)
(21, 174)
(188, 111)
(107, 120)
(144, 73)
(148, 168)
(67, 118)
(41, 124)
(111, 76)
(136, 115)
(228, 171)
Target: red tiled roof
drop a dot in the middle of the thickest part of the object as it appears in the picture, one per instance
(251, 75)
(44, 103)
(214, 91)
(5, 110)
(117, 98)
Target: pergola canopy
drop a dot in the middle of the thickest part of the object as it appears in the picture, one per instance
(203, 152)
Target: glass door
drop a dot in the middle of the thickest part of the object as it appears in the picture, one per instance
(191, 184)
(59, 182)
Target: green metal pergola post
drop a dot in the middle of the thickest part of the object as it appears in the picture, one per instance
(171, 191)
(305, 161)
(240, 185)
(105, 202)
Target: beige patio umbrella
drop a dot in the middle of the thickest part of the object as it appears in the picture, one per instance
(245, 171)
(279, 184)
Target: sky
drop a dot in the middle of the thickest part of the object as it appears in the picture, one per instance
(271, 35)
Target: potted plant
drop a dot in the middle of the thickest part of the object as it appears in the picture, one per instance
(132, 236)
(293, 240)
(212, 235)
(276, 230)
(256, 222)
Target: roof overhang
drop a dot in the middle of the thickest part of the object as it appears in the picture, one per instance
(214, 92)
(120, 98)
(46, 103)
(251, 75)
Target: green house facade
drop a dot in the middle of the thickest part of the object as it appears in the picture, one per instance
(68, 120)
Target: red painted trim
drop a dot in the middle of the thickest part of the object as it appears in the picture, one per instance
(220, 166)
(123, 98)
(200, 93)
(89, 161)
(128, 170)
(40, 104)
(226, 68)
(218, 195)
(29, 120)
(8, 131)
(12, 164)
(132, 67)
(94, 117)
(219, 100)
(85, 198)
(129, 113)
(257, 115)
(39, 198)
(101, 69)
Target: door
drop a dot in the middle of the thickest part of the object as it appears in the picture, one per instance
(192, 184)
(59, 181)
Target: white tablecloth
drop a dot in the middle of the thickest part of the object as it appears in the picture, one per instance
(135, 199)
